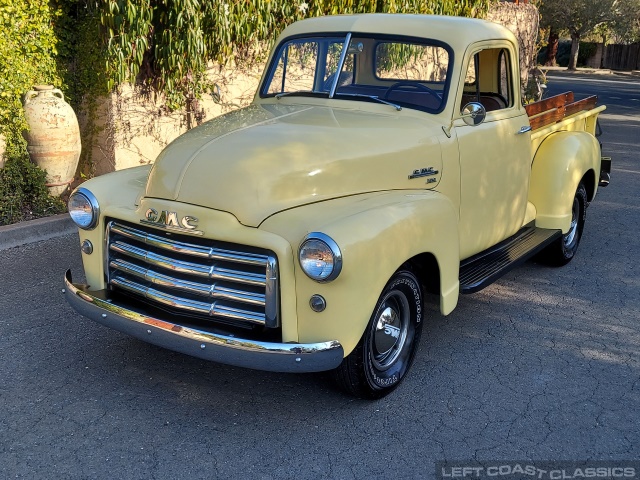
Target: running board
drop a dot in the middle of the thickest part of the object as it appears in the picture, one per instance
(483, 269)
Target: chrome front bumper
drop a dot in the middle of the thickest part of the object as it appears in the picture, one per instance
(275, 357)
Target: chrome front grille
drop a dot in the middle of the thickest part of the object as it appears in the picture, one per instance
(207, 279)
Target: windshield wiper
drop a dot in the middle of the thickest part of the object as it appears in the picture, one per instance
(298, 92)
(370, 97)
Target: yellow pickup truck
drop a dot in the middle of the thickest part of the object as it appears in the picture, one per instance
(383, 157)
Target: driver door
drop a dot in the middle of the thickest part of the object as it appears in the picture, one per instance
(495, 156)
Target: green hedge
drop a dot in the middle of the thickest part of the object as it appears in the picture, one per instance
(28, 56)
(23, 194)
(167, 43)
(586, 51)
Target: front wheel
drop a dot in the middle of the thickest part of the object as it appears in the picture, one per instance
(385, 352)
(564, 249)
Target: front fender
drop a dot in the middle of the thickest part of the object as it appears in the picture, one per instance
(376, 233)
(559, 165)
(117, 194)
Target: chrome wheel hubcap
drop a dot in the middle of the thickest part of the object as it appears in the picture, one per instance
(570, 236)
(390, 330)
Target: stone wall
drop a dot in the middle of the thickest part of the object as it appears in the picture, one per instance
(522, 20)
(130, 129)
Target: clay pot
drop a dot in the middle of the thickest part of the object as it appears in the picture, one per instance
(53, 139)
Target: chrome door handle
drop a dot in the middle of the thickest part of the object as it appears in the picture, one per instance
(525, 129)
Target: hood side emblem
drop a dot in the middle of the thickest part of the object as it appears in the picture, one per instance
(423, 172)
(170, 221)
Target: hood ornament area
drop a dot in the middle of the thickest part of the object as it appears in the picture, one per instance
(170, 221)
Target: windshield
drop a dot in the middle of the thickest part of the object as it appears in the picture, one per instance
(403, 72)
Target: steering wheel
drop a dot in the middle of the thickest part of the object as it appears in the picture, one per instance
(417, 86)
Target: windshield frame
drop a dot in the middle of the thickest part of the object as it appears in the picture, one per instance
(378, 38)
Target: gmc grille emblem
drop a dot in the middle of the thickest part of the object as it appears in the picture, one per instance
(169, 221)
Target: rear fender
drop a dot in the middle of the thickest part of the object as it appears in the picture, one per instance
(559, 165)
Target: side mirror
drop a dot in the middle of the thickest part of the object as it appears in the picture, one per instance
(473, 113)
(355, 48)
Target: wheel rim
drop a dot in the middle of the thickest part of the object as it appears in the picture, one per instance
(570, 236)
(390, 330)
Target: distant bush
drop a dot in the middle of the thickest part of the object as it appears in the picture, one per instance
(587, 50)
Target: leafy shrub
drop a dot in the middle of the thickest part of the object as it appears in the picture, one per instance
(27, 57)
(23, 194)
(167, 44)
(586, 51)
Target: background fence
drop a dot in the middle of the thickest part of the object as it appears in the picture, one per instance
(622, 57)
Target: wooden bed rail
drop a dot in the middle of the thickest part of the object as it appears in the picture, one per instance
(553, 109)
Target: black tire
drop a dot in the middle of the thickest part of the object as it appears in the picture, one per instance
(561, 251)
(386, 350)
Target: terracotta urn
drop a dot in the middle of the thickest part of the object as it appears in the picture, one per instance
(53, 139)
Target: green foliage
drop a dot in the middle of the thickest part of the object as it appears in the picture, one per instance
(587, 50)
(81, 60)
(89, 48)
(626, 24)
(578, 18)
(23, 194)
(81, 54)
(167, 44)
(28, 53)
(27, 57)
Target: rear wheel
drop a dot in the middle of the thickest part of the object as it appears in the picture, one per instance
(564, 249)
(385, 352)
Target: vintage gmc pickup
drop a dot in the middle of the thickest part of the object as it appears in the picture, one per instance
(383, 157)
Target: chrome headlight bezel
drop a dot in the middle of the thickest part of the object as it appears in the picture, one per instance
(91, 202)
(332, 248)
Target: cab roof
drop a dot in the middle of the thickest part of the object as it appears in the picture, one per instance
(458, 32)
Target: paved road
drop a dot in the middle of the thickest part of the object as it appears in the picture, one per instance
(544, 364)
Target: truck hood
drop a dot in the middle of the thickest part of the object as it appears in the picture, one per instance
(263, 159)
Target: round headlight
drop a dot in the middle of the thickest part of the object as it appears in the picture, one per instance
(83, 208)
(320, 257)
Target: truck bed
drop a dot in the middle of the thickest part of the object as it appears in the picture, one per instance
(562, 113)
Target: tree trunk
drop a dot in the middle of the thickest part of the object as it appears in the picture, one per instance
(552, 48)
(575, 46)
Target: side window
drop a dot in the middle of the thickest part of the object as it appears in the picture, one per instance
(488, 80)
(470, 78)
(504, 78)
